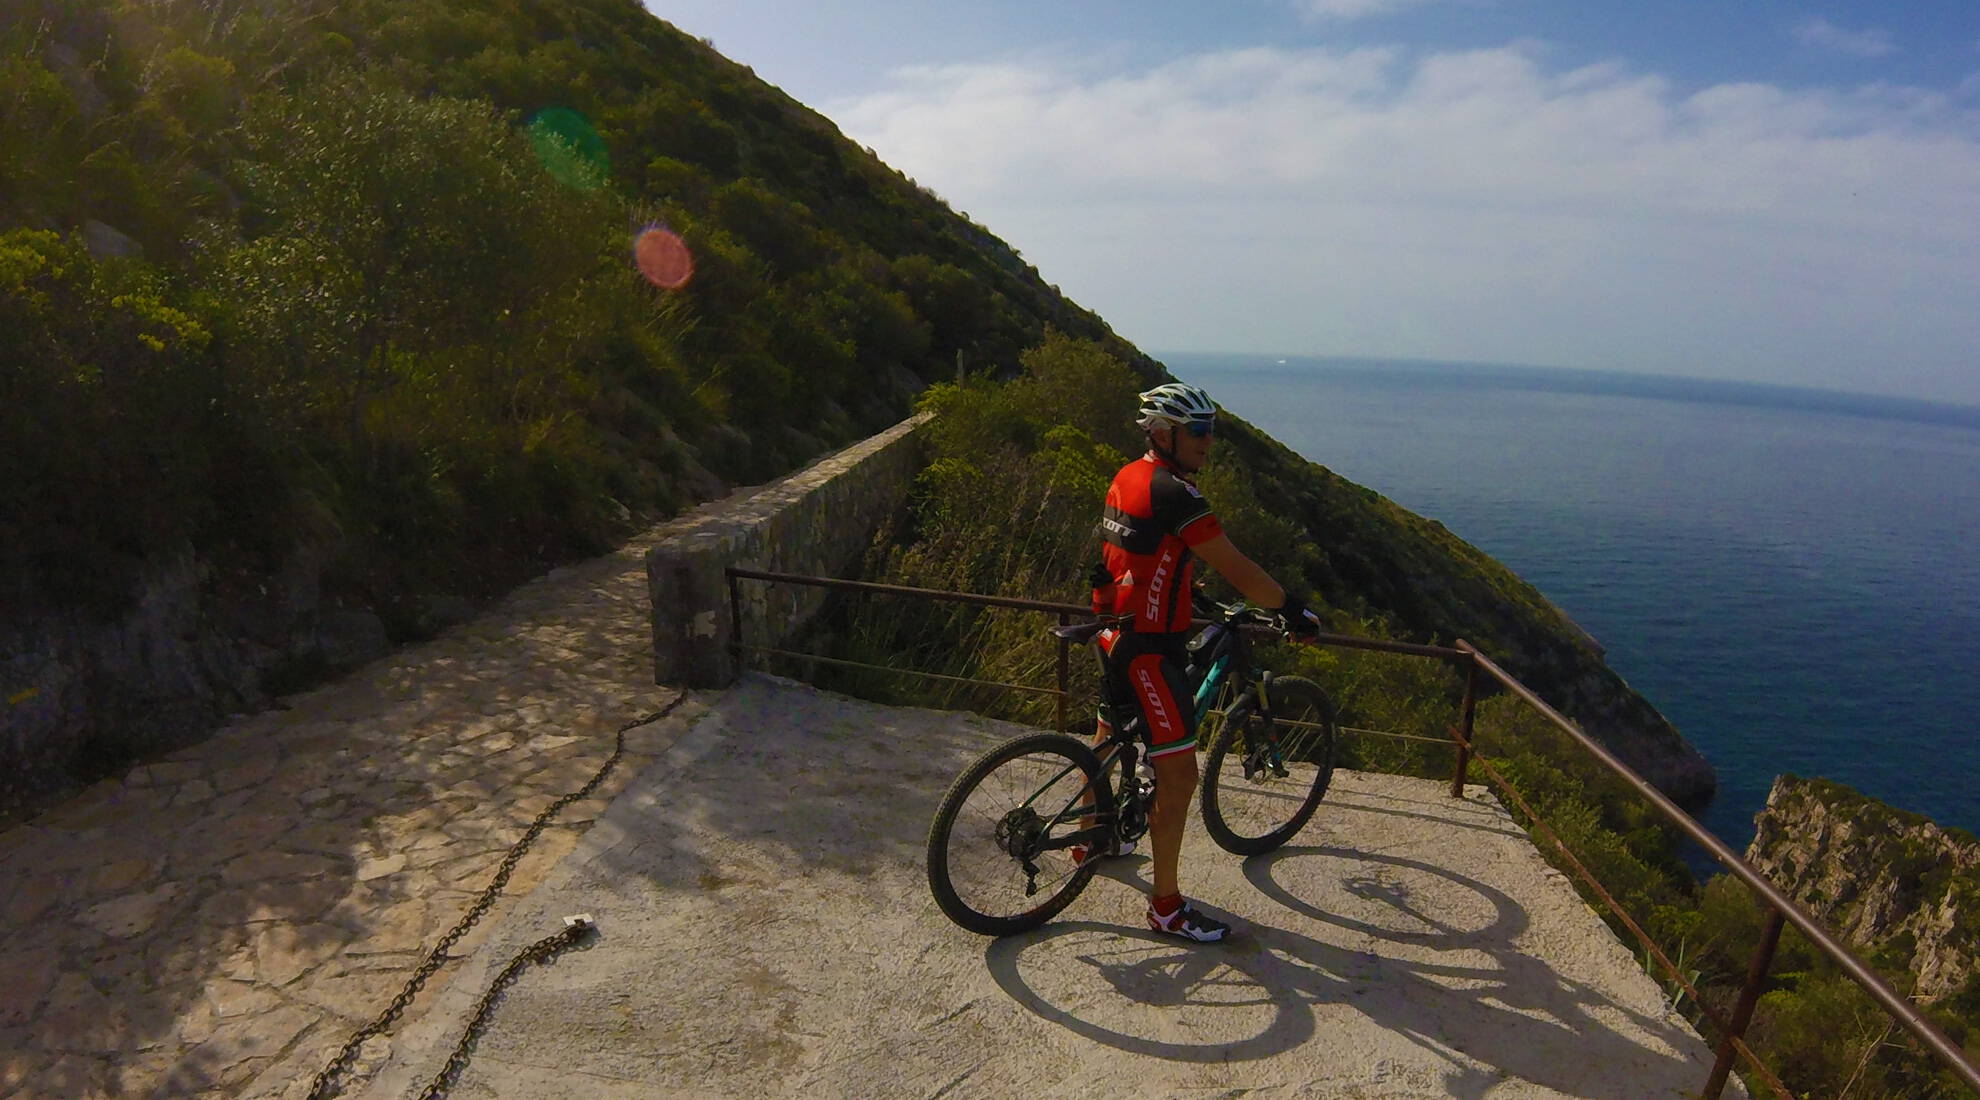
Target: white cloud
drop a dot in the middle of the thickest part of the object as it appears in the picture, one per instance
(1823, 34)
(1353, 9)
(1474, 206)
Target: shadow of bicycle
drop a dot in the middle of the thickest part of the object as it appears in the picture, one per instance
(1417, 960)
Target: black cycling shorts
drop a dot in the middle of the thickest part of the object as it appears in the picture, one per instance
(1150, 670)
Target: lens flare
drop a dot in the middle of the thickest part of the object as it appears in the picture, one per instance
(570, 150)
(663, 257)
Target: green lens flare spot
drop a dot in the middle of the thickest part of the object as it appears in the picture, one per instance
(569, 149)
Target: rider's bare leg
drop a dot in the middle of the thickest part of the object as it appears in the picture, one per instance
(1175, 781)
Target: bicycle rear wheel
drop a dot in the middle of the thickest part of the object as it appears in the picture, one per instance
(1268, 767)
(999, 858)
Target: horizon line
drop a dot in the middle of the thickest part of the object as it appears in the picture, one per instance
(1813, 398)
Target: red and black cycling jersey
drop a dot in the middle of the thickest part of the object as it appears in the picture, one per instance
(1152, 517)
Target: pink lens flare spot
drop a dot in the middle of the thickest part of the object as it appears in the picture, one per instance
(663, 258)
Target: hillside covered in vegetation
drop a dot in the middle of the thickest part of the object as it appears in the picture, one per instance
(368, 266)
(321, 323)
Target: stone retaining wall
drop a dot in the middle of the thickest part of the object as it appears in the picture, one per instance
(815, 522)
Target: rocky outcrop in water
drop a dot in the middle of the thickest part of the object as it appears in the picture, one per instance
(1901, 888)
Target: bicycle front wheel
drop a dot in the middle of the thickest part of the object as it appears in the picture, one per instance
(999, 849)
(1268, 766)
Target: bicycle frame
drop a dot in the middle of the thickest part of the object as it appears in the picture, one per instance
(1119, 745)
(1228, 660)
(1090, 836)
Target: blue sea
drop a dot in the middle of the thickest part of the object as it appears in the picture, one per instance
(1791, 576)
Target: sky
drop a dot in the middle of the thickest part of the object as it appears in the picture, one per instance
(1763, 191)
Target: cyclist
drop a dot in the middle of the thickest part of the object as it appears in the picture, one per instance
(1154, 525)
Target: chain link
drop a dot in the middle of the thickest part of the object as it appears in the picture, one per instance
(327, 1084)
(543, 950)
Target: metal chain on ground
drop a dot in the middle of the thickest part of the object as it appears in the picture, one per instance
(543, 950)
(326, 1084)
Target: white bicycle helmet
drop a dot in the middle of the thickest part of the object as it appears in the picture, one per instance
(1175, 403)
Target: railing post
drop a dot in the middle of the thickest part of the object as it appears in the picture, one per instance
(1749, 995)
(1065, 671)
(1465, 728)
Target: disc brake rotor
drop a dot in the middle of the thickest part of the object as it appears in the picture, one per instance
(1019, 833)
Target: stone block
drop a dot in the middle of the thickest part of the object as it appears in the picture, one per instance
(266, 866)
(26, 975)
(691, 631)
(16, 1066)
(24, 898)
(75, 1017)
(369, 869)
(75, 1077)
(229, 999)
(283, 953)
(133, 914)
(394, 930)
(261, 1035)
(120, 876)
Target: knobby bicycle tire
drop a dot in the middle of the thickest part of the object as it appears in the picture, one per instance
(1252, 814)
(977, 882)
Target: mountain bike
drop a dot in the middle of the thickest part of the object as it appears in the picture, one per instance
(1000, 849)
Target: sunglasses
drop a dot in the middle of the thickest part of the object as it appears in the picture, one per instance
(1200, 429)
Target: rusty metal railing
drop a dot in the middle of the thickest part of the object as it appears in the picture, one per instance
(1782, 910)
(1066, 613)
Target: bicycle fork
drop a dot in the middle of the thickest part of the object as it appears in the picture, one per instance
(1265, 754)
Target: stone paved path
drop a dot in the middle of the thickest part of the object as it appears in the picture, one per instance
(219, 922)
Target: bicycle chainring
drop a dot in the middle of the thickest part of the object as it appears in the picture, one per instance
(1130, 818)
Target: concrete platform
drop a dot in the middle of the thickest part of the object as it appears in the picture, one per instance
(765, 930)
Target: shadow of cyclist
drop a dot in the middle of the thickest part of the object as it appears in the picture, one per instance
(1156, 972)
(1476, 1005)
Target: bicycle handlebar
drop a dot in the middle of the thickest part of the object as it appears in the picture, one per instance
(1241, 613)
(1244, 613)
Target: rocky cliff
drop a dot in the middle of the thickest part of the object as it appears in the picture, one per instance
(1893, 884)
(85, 694)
